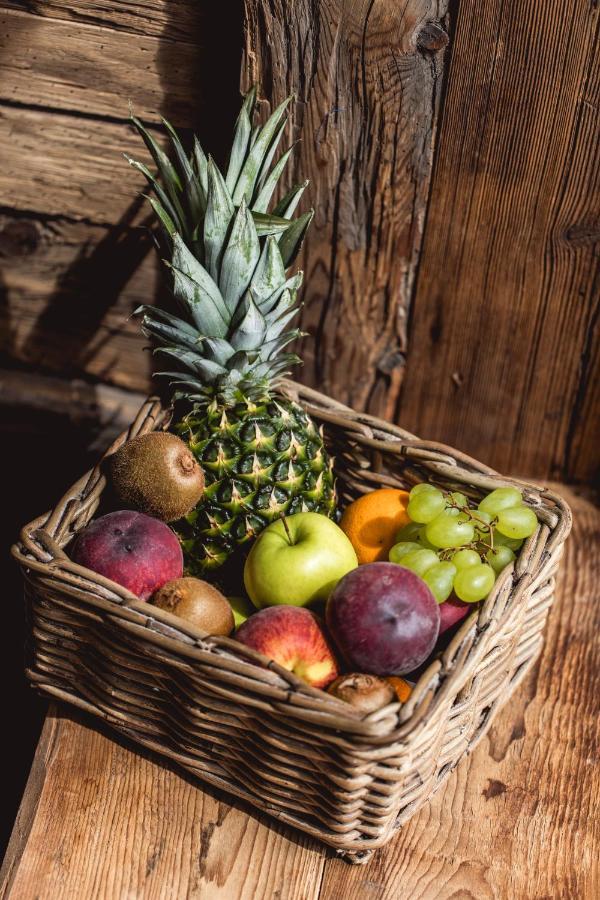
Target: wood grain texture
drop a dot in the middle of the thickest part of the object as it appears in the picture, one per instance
(169, 843)
(367, 75)
(504, 356)
(519, 818)
(93, 70)
(60, 165)
(169, 19)
(75, 261)
(73, 273)
(67, 292)
(100, 412)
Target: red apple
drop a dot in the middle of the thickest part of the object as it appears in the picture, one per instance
(292, 637)
(136, 551)
(452, 611)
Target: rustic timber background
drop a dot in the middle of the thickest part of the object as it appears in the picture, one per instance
(452, 270)
(452, 266)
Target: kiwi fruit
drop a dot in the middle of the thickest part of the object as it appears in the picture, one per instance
(157, 474)
(198, 602)
(366, 693)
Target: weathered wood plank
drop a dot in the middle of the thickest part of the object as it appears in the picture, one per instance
(519, 818)
(29, 805)
(178, 20)
(112, 823)
(97, 71)
(67, 293)
(60, 165)
(504, 356)
(367, 76)
(101, 411)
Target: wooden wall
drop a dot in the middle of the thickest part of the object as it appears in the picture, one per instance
(504, 353)
(75, 249)
(452, 271)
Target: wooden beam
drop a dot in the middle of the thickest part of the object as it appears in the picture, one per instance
(68, 291)
(74, 241)
(68, 167)
(97, 71)
(504, 358)
(518, 818)
(367, 75)
(100, 410)
(176, 20)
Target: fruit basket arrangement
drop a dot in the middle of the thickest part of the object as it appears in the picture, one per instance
(336, 608)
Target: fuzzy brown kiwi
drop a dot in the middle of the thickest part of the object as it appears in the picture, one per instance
(366, 693)
(157, 474)
(198, 602)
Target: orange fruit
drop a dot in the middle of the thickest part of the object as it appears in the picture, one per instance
(402, 687)
(371, 522)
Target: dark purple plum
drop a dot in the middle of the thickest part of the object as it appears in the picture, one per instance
(452, 611)
(136, 551)
(383, 618)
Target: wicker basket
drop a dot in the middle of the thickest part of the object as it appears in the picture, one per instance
(255, 730)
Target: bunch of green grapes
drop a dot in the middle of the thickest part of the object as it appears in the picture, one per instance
(454, 547)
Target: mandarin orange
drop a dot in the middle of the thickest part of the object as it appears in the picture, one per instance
(371, 522)
(402, 687)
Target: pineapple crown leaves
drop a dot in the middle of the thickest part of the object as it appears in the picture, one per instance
(228, 258)
(182, 186)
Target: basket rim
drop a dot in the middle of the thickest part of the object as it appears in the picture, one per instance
(39, 550)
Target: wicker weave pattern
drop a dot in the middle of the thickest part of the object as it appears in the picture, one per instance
(255, 730)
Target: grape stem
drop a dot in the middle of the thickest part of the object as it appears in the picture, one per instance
(486, 526)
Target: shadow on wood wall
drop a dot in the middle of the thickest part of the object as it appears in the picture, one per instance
(84, 294)
(94, 282)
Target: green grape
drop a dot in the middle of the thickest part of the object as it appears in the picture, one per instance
(484, 516)
(439, 578)
(401, 549)
(408, 532)
(501, 540)
(466, 558)
(458, 499)
(425, 506)
(455, 513)
(499, 558)
(422, 539)
(482, 533)
(517, 522)
(423, 488)
(499, 499)
(447, 530)
(419, 561)
(474, 583)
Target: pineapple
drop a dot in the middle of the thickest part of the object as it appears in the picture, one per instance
(228, 258)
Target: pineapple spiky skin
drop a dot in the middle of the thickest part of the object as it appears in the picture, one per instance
(260, 459)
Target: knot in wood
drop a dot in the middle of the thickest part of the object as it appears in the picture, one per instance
(18, 238)
(390, 360)
(432, 37)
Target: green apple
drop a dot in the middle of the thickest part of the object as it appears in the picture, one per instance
(242, 609)
(297, 560)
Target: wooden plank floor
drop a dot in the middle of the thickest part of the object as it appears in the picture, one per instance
(520, 818)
